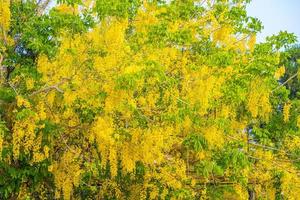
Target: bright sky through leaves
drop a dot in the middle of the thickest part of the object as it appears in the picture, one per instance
(276, 15)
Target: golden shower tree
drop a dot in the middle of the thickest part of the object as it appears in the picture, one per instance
(129, 99)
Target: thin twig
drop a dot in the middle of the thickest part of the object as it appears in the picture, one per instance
(13, 87)
(51, 87)
(182, 101)
(243, 38)
(265, 147)
(285, 82)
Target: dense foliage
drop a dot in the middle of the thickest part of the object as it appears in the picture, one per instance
(132, 99)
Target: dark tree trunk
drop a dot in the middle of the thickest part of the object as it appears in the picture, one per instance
(251, 194)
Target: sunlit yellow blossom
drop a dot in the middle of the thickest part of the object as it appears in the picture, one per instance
(251, 42)
(5, 14)
(279, 72)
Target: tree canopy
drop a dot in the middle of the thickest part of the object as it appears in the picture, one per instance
(152, 99)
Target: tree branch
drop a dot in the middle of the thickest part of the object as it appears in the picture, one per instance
(285, 82)
(13, 87)
(51, 87)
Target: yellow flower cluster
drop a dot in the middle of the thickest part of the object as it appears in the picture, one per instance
(290, 184)
(279, 72)
(22, 102)
(39, 154)
(24, 135)
(258, 100)
(1, 141)
(25, 138)
(298, 121)
(145, 145)
(286, 111)
(29, 83)
(214, 137)
(203, 88)
(251, 42)
(4, 14)
(63, 8)
(292, 143)
(223, 34)
(66, 172)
